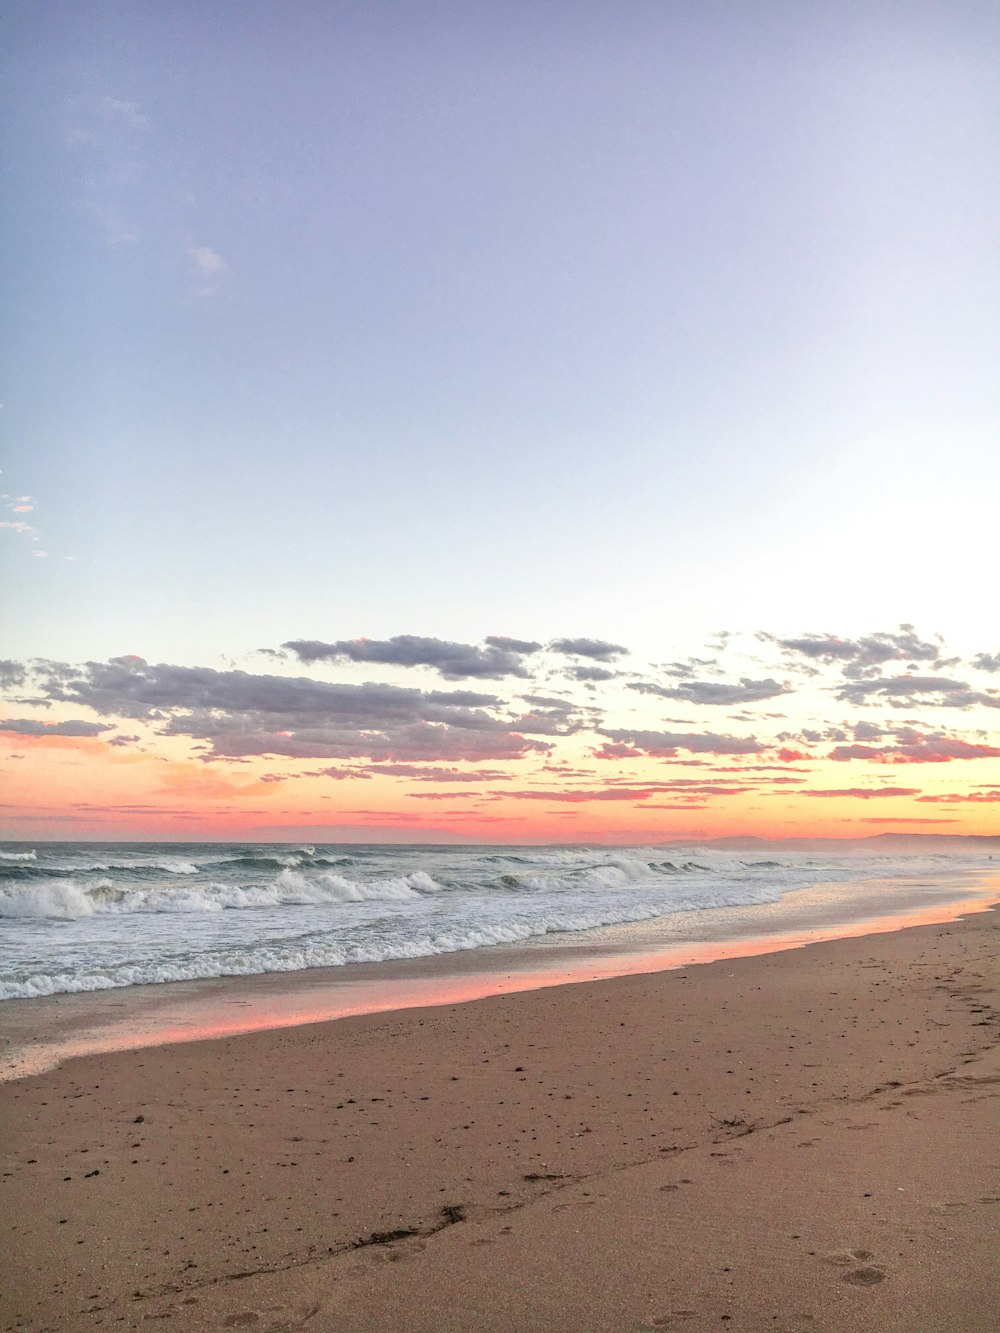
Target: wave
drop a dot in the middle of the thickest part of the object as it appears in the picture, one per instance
(261, 861)
(13, 871)
(613, 870)
(18, 856)
(173, 867)
(149, 872)
(45, 892)
(55, 899)
(68, 899)
(289, 956)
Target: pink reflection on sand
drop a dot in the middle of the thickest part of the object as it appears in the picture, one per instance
(295, 1009)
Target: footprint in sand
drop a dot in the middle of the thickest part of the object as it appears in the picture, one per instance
(289, 1319)
(867, 1275)
(845, 1258)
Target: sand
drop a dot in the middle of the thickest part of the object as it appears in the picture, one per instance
(805, 1140)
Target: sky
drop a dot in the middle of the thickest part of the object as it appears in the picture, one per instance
(499, 422)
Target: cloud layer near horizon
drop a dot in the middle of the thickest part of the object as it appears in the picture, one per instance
(576, 687)
(574, 739)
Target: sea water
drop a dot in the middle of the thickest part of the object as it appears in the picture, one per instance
(89, 916)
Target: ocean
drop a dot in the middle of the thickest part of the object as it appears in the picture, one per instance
(88, 916)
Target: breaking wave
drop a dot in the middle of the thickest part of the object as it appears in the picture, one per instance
(67, 899)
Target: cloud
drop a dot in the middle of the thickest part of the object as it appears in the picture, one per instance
(675, 805)
(428, 774)
(131, 687)
(145, 810)
(415, 773)
(688, 789)
(207, 262)
(714, 692)
(130, 113)
(407, 743)
(238, 714)
(467, 735)
(863, 793)
(11, 674)
(454, 661)
(987, 661)
(920, 748)
(207, 270)
(665, 744)
(616, 750)
(863, 656)
(109, 146)
(682, 788)
(591, 673)
(691, 667)
(117, 231)
(443, 795)
(512, 645)
(761, 768)
(931, 691)
(549, 722)
(598, 649)
(22, 504)
(343, 773)
(578, 797)
(867, 731)
(972, 797)
(26, 726)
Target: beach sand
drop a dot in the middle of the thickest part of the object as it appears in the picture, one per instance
(805, 1140)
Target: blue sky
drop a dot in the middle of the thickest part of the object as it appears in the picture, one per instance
(639, 320)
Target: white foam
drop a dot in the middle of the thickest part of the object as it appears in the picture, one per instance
(286, 957)
(54, 899)
(18, 856)
(65, 899)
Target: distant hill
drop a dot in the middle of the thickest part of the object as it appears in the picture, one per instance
(875, 842)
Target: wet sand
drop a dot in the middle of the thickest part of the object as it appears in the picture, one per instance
(800, 1140)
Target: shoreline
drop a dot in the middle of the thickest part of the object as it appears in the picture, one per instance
(799, 1139)
(39, 1033)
